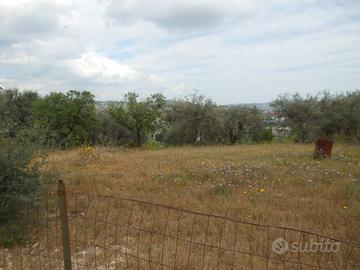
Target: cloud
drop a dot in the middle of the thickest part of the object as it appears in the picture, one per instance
(102, 69)
(24, 20)
(183, 15)
(232, 51)
(17, 58)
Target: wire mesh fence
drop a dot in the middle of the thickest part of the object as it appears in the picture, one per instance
(107, 232)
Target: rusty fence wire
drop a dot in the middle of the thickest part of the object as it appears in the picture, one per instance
(107, 232)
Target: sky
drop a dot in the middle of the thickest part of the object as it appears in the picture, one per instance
(240, 51)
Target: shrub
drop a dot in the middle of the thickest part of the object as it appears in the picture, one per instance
(266, 135)
(66, 120)
(153, 144)
(20, 185)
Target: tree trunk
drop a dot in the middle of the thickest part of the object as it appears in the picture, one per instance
(198, 137)
(138, 137)
(232, 136)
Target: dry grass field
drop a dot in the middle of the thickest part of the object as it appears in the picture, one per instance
(275, 184)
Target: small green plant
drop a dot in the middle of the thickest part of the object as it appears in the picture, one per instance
(153, 145)
(222, 190)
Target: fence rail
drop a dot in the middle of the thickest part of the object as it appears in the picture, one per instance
(107, 232)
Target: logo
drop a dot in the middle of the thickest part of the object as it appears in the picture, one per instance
(280, 246)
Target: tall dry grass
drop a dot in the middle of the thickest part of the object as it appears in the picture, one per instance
(277, 184)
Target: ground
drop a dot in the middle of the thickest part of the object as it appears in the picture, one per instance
(274, 184)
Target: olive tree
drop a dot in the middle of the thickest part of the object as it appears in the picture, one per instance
(138, 116)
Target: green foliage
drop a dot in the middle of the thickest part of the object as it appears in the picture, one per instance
(20, 185)
(348, 119)
(111, 132)
(300, 113)
(15, 111)
(323, 115)
(67, 119)
(153, 145)
(138, 116)
(264, 136)
(192, 120)
(243, 124)
(71, 119)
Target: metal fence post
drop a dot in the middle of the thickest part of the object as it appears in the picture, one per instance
(64, 225)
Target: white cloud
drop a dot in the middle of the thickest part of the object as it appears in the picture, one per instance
(181, 14)
(25, 20)
(17, 58)
(232, 51)
(102, 69)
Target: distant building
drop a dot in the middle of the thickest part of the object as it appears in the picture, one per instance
(276, 123)
(272, 118)
(281, 132)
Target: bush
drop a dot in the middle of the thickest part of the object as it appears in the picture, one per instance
(153, 145)
(266, 135)
(20, 185)
(66, 120)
